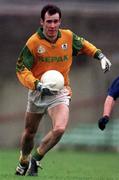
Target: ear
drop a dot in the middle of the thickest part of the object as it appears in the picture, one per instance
(41, 22)
(60, 21)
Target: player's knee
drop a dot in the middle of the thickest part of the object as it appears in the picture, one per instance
(59, 131)
(29, 133)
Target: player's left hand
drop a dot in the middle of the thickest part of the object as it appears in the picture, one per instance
(105, 64)
(102, 122)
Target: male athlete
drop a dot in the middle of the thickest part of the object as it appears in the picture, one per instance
(50, 48)
(113, 94)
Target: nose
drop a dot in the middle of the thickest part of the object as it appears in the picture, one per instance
(52, 24)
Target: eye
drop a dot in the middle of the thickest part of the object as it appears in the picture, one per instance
(49, 21)
(56, 21)
(52, 21)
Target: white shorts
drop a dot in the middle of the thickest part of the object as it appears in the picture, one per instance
(40, 104)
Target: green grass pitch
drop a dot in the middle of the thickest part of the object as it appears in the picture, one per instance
(65, 165)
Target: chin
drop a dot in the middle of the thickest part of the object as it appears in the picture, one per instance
(52, 34)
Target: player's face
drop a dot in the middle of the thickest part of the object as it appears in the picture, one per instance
(51, 25)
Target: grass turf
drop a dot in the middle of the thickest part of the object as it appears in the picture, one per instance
(65, 165)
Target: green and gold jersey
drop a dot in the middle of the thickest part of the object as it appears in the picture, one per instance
(39, 55)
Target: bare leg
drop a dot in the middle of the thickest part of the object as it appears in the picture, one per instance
(59, 116)
(31, 125)
(27, 141)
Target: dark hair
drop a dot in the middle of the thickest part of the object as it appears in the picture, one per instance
(51, 9)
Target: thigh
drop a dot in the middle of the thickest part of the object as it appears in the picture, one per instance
(59, 115)
(32, 121)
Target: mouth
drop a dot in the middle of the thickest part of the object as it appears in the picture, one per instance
(52, 31)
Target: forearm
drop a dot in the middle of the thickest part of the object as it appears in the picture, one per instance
(108, 106)
(89, 49)
(27, 79)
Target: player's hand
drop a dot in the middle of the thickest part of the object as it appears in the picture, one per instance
(47, 88)
(102, 122)
(105, 64)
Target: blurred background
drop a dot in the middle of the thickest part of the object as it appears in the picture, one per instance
(95, 20)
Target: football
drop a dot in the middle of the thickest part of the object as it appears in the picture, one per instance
(53, 76)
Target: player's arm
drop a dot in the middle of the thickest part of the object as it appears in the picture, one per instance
(82, 46)
(108, 106)
(113, 94)
(25, 76)
(23, 68)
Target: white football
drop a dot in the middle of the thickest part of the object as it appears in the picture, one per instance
(53, 76)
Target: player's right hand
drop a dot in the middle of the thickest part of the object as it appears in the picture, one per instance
(105, 64)
(47, 88)
(102, 122)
